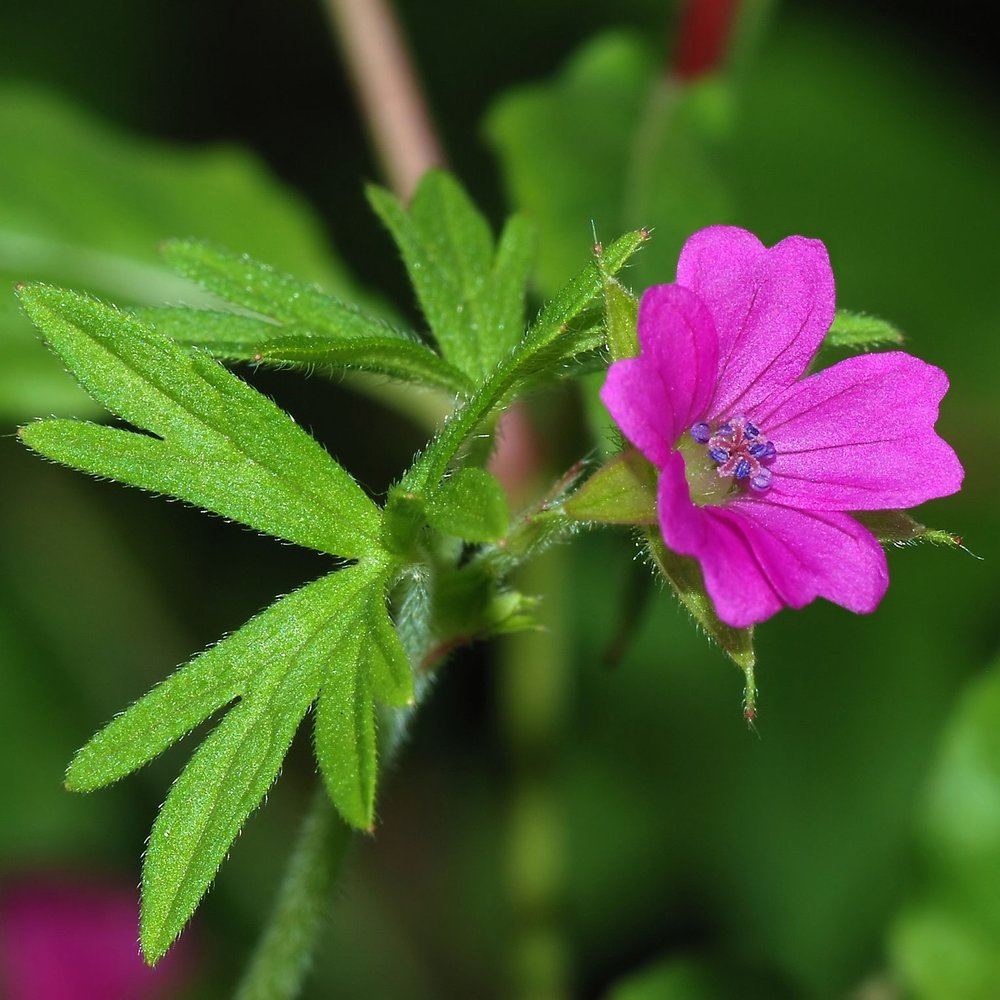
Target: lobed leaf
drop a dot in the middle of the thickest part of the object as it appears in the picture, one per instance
(521, 365)
(219, 443)
(861, 332)
(471, 295)
(308, 329)
(260, 288)
(312, 643)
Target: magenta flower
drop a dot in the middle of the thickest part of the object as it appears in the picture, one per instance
(759, 463)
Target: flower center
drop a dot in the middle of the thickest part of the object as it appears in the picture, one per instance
(726, 458)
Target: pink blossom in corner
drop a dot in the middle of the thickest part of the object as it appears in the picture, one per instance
(72, 938)
(760, 464)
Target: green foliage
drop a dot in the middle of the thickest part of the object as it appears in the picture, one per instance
(307, 327)
(686, 580)
(896, 527)
(471, 505)
(861, 332)
(218, 443)
(82, 203)
(471, 293)
(521, 365)
(612, 142)
(621, 309)
(622, 491)
(944, 944)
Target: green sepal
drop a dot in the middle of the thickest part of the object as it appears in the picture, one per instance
(861, 332)
(896, 527)
(685, 578)
(470, 504)
(219, 444)
(471, 294)
(622, 491)
(621, 310)
(235, 337)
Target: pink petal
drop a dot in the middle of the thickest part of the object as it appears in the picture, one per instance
(772, 308)
(860, 436)
(758, 556)
(657, 396)
(740, 590)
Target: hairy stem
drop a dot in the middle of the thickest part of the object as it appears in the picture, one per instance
(282, 959)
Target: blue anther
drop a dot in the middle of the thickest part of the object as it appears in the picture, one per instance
(767, 454)
(718, 454)
(751, 430)
(742, 469)
(758, 448)
(762, 481)
(701, 432)
(726, 430)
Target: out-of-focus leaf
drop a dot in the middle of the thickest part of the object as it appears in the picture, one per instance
(944, 944)
(613, 143)
(685, 578)
(861, 332)
(471, 505)
(81, 203)
(471, 295)
(218, 443)
(693, 979)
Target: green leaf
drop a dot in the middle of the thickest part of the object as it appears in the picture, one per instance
(532, 355)
(471, 505)
(685, 578)
(309, 328)
(471, 295)
(861, 332)
(219, 443)
(275, 665)
(245, 282)
(84, 204)
(613, 143)
(622, 491)
(896, 527)
(236, 337)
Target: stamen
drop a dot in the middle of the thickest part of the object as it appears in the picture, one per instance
(701, 433)
(740, 452)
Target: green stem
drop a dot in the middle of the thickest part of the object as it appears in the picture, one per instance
(281, 961)
(533, 677)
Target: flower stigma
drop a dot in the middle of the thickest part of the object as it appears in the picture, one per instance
(724, 459)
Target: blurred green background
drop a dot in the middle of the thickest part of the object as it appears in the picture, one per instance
(615, 828)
